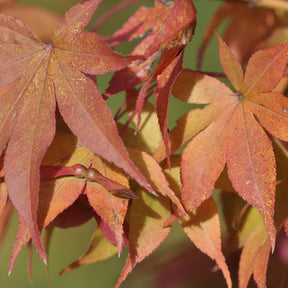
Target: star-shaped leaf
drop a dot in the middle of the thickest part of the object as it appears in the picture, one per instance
(234, 134)
(41, 75)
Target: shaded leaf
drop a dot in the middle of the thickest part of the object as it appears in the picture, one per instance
(57, 195)
(147, 218)
(99, 249)
(257, 247)
(22, 238)
(254, 257)
(155, 175)
(203, 228)
(149, 135)
(109, 234)
(6, 214)
(110, 208)
(238, 220)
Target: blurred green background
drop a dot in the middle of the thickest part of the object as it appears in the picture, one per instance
(68, 244)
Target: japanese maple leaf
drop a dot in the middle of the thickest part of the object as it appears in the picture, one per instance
(71, 201)
(231, 133)
(256, 250)
(163, 34)
(41, 75)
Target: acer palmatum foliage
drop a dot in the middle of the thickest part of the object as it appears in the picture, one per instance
(66, 159)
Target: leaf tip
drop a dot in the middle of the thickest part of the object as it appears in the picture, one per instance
(154, 193)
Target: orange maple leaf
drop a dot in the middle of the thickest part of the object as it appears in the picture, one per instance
(229, 130)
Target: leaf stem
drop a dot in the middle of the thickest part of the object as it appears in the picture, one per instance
(212, 74)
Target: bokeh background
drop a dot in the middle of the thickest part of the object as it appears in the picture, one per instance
(68, 244)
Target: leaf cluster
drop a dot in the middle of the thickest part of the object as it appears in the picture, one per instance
(221, 173)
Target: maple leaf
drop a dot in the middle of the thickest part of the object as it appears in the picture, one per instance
(172, 41)
(99, 249)
(231, 134)
(99, 190)
(65, 201)
(162, 34)
(5, 211)
(257, 247)
(202, 226)
(149, 134)
(42, 74)
(167, 27)
(147, 217)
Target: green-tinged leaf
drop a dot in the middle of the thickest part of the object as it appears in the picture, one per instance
(110, 208)
(155, 175)
(147, 218)
(5, 217)
(254, 257)
(203, 228)
(149, 134)
(22, 238)
(99, 249)
(257, 247)
(237, 219)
